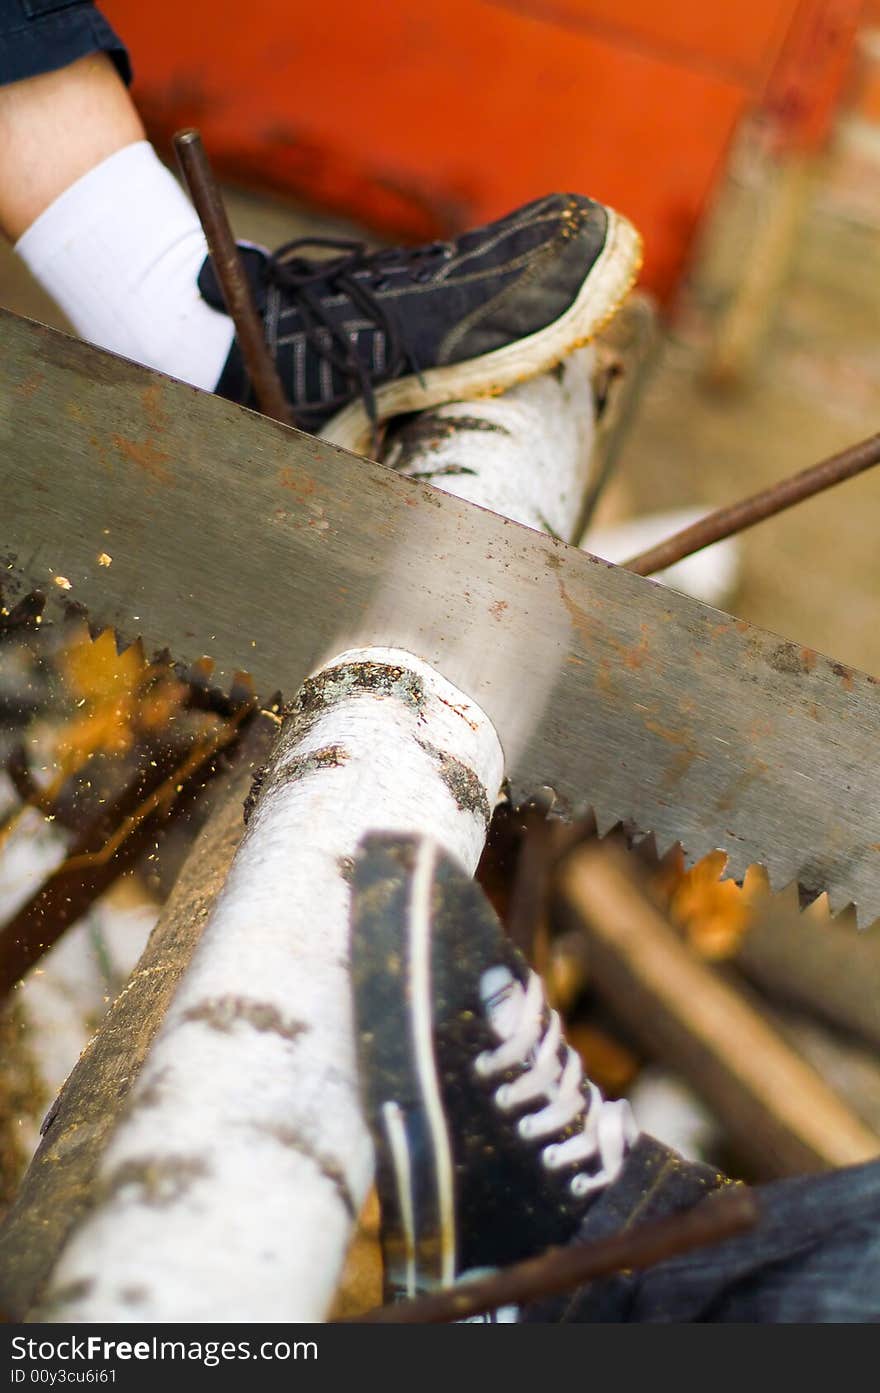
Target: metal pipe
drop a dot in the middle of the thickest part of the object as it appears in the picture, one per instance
(208, 201)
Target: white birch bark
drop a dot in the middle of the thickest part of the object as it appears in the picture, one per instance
(230, 1187)
(528, 456)
(525, 454)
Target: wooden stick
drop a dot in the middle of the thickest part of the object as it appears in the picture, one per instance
(207, 199)
(833, 971)
(108, 845)
(779, 1110)
(779, 210)
(631, 342)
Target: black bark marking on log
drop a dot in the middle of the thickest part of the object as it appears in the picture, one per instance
(427, 433)
(290, 1137)
(444, 471)
(223, 1012)
(161, 1180)
(292, 770)
(346, 866)
(462, 782)
(254, 792)
(301, 766)
(327, 689)
(134, 1296)
(61, 1296)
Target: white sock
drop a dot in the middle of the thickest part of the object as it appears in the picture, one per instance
(119, 251)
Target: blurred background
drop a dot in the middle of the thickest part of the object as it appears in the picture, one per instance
(744, 143)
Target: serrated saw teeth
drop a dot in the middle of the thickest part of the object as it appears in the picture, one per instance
(29, 611)
(839, 901)
(605, 822)
(780, 879)
(690, 722)
(26, 613)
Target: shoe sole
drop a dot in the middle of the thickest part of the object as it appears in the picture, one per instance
(609, 281)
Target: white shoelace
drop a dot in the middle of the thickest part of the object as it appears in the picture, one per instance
(515, 1015)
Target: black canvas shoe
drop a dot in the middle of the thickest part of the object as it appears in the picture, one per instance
(490, 1143)
(361, 336)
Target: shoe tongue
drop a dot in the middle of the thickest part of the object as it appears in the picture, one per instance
(254, 260)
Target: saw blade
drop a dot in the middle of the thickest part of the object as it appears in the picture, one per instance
(210, 531)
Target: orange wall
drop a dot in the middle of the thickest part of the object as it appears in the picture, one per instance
(737, 41)
(424, 117)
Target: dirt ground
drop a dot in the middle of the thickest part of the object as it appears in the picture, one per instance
(813, 573)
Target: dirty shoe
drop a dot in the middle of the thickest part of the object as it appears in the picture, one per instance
(491, 1144)
(360, 336)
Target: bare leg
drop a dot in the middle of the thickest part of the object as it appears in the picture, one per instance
(102, 225)
(56, 127)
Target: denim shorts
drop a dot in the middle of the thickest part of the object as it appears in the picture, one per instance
(38, 36)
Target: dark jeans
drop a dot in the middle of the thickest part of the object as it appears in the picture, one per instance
(38, 36)
(814, 1254)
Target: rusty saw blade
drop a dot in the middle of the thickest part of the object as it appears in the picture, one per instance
(207, 530)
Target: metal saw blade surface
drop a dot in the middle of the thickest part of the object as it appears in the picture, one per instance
(208, 530)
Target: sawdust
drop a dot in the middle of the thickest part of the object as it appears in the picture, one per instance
(22, 1097)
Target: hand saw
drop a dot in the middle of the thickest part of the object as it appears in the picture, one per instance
(207, 530)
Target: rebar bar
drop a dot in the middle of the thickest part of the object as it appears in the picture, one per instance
(736, 517)
(208, 201)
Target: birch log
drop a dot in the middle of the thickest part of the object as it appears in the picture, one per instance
(228, 1191)
(526, 455)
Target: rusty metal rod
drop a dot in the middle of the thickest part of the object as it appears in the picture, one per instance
(205, 194)
(719, 1217)
(736, 517)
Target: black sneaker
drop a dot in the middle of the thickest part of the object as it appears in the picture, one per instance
(491, 1144)
(361, 336)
